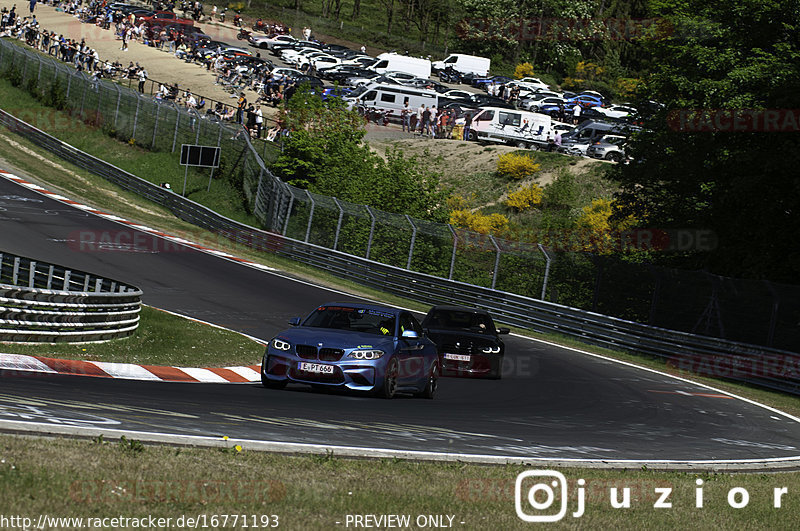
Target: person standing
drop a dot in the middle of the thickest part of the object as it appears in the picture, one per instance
(467, 125)
(142, 78)
(240, 108)
(405, 114)
(432, 121)
(576, 113)
(259, 121)
(420, 112)
(426, 121)
(307, 33)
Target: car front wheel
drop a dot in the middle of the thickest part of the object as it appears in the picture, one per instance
(389, 387)
(266, 382)
(433, 382)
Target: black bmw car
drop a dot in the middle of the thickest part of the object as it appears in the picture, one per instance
(467, 340)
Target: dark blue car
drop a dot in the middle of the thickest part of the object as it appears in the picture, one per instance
(362, 347)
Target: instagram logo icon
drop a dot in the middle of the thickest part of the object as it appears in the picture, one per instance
(536, 502)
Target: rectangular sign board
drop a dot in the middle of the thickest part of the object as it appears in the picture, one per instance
(203, 156)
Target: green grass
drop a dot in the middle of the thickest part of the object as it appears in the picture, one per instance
(161, 339)
(100, 478)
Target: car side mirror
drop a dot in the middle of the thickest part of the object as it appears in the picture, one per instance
(294, 321)
(503, 331)
(410, 334)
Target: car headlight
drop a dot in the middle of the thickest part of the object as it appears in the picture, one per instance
(491, 350)
(280, 344)
(366, 354)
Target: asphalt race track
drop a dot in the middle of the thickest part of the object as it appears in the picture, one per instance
(553, 403)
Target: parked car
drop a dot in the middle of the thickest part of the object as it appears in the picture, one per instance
(164, 17)
(610, 147)
(483, 82)
(535, 83)
(618, 112)
(361, 347)
(467, 341)
(545, 105)
(586, 101)
(269, 41)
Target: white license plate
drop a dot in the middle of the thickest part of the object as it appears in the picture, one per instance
(456, 357)
(315, 367)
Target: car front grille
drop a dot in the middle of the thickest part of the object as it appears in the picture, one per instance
(330, 354)
(307, 352)
(460, 348)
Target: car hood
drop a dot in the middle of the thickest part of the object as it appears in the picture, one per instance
(440, 335)
(334, 338)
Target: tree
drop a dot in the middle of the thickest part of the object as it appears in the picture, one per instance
(325, 153)
(744, 186)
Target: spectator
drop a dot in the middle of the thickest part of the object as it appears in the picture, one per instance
(142, 78)
(576, 113)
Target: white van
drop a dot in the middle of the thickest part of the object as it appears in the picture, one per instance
(509, 126)
(392, 62)
(466, 64)
(392, 98)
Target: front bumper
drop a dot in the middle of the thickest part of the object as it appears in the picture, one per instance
(477, 366)
(358, 375)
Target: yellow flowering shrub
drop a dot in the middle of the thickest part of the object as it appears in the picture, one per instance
(517, 166)
(482, 223)
(524, 198)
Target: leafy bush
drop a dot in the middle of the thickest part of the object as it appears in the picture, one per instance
(526, 197)
(475, 221)
(517, 166)
(523, 70)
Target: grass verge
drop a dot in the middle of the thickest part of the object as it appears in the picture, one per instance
(96, 479)
(161, 339)
(37, 165)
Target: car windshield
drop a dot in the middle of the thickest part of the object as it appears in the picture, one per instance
(459, 320)
(361, 320)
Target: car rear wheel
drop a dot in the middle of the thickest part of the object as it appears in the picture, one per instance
(433, 383)
(522, 145)
(613, 157)
(389, 387)
(266, 382)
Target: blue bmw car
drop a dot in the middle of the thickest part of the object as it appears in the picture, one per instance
(363, 347)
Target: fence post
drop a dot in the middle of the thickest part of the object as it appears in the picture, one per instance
(116, 111)
(83, 97)
(69, 85)
(136, 117)
(371, 230)
(453, 256)
(155, 126)
(496, 261)
(338, 223)
(177, 121)
(310, 215)
(413, 241)
(546, 270)
(39, 75)
(32, 274)
(199, 122)
(288, 214)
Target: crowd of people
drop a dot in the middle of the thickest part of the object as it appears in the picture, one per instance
(426, 120)
(271, 89)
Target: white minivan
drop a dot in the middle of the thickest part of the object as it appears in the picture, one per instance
(510, 126)
(392, 62)
(466, 64)
(392, 98)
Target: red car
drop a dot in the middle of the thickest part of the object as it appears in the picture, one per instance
(162, 18)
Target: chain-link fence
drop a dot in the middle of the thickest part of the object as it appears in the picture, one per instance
(755, 312)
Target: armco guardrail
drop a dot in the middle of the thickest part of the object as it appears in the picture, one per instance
(42, 302)
(772, 368)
